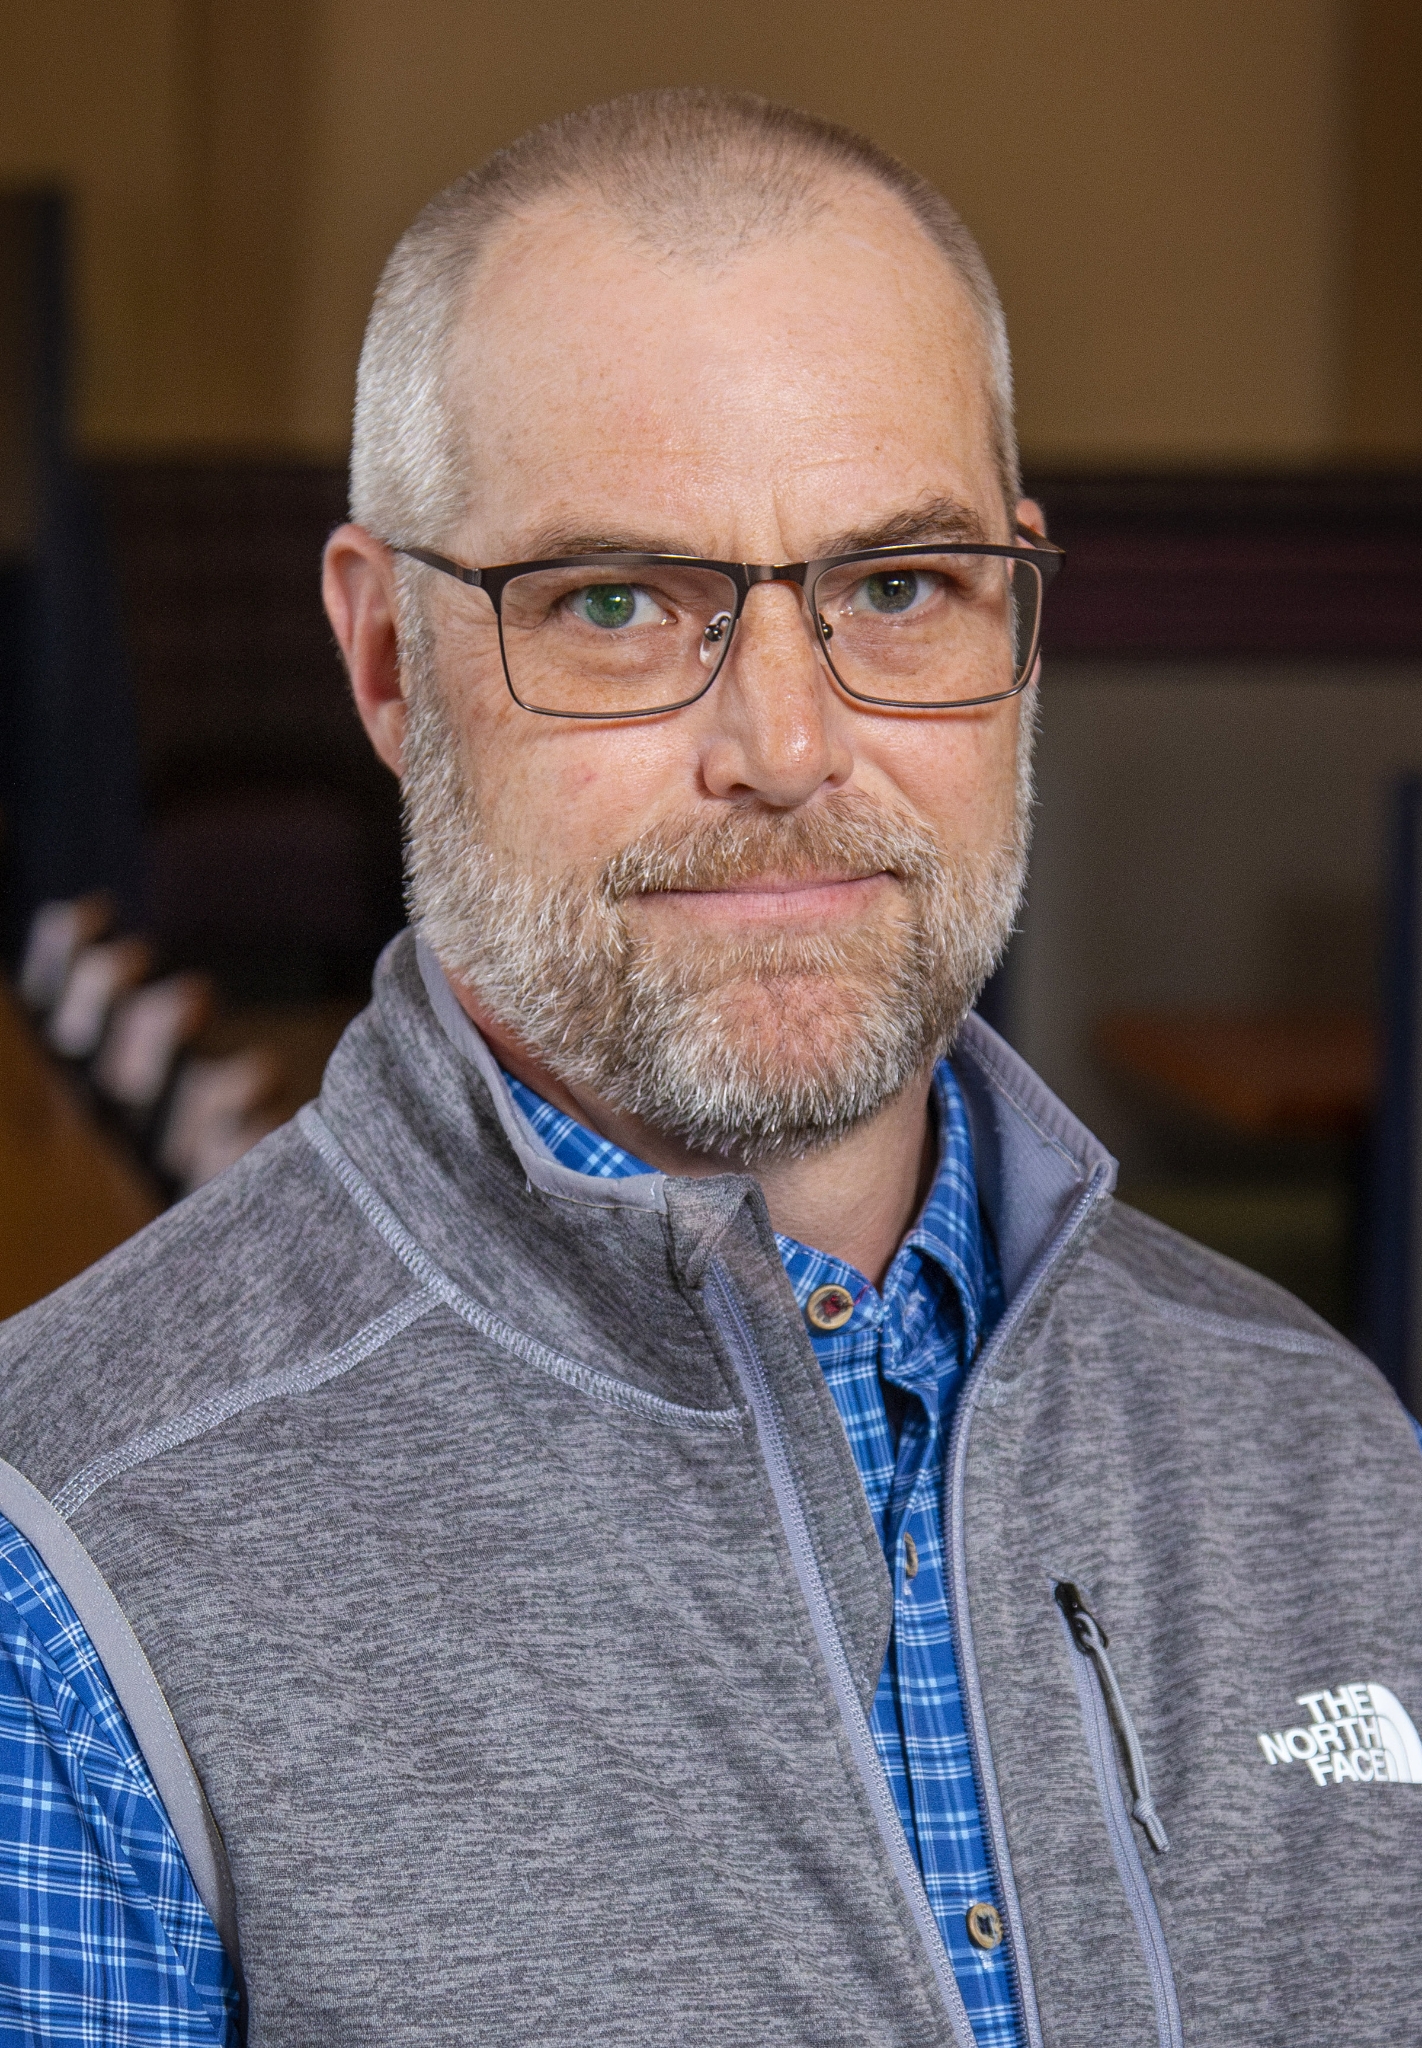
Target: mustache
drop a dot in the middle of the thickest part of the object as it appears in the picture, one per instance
(845, 836)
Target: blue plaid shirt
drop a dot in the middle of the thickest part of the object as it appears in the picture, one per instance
(103, 1937)
(894, 1370)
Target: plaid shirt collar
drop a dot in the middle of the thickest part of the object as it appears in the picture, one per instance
(944, 1246)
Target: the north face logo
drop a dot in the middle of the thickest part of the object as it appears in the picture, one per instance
(1360, 1732)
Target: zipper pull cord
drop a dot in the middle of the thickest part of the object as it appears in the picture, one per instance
(1089, 1638)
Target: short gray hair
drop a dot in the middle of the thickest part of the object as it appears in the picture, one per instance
(695, 172)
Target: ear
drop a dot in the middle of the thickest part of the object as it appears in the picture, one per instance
(1031, 515)
(358, 587)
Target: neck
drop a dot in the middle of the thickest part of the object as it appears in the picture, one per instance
(855, 1200)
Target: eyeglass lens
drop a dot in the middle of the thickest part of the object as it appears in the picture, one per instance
(927, 630)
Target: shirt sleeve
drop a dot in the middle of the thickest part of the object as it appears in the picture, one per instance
(103, 1935)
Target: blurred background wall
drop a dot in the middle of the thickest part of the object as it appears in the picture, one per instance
(1206, 222)
(1204, 218)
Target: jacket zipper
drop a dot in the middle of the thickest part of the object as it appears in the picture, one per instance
(956, 1559)
(730, 1320)
(727, 1314)
(1109, 1727)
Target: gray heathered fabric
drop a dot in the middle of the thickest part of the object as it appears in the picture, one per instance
(435, 1501)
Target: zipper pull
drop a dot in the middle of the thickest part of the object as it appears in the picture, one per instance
(1086, 1630)
(1091, 1639)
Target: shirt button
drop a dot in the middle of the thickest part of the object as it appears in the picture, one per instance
(984, 1926)
(910, 1558)
(829, 1308)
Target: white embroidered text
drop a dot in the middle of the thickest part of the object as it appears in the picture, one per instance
(1359, 1732)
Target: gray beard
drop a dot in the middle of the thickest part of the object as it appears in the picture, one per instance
(749, 1049)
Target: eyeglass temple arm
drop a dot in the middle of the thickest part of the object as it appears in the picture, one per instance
(473, 577)
(1033, 539)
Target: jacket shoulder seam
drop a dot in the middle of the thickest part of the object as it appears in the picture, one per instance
(205, 1416)
(586, 1379)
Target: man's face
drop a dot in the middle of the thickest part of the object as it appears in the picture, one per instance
(750, 920)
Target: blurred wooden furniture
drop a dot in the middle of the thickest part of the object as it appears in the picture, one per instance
(1288, 1075)
(298, 1037)
(66, 1195)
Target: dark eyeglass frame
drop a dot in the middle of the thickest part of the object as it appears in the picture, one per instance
(1030, 547)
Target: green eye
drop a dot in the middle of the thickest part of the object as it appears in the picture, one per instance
(894, 591)
(608, 604)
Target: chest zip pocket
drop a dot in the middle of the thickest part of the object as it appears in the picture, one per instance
(1110, 1732)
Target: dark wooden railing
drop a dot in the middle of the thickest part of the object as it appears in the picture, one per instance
(1324, 566)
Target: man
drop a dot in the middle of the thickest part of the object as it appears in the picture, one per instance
(664, 1508)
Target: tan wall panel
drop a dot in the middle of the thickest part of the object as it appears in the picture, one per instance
(178, 127)
(92, 98)
(1162, 191)
(250, 96)
(1384, 380)
(1158, 189)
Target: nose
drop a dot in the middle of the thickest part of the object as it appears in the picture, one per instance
(775, 728)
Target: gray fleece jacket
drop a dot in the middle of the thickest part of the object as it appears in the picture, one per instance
(495, 1543)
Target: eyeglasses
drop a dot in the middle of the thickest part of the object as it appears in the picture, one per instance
(605, 636)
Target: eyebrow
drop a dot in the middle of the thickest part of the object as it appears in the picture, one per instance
(937, 518)
(930, 519)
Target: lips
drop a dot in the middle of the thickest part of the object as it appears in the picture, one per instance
(773, 904)
(773, 885)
